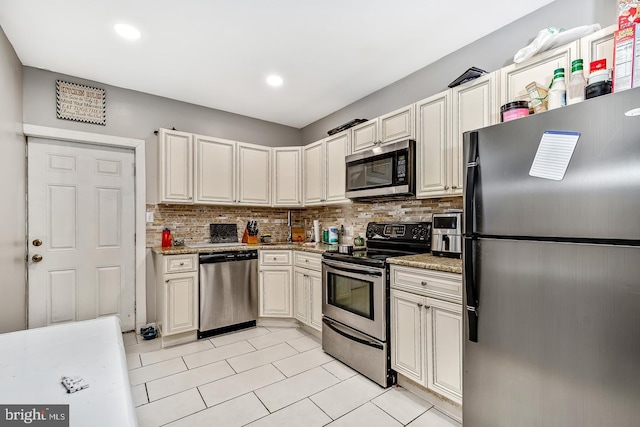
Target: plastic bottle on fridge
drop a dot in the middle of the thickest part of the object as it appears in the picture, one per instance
(577, 84)
(558, 91)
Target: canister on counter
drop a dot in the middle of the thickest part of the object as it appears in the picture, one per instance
(333, 235)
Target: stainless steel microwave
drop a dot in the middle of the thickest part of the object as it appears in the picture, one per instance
(386, 170)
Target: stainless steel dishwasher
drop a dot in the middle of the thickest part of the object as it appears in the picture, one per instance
(228, 291)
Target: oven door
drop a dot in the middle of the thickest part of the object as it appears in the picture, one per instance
(355, 295)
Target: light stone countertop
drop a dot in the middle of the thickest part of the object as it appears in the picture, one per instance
(425, 261)
(317, 248)
(429, 262)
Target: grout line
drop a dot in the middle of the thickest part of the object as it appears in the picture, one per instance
(317, 406)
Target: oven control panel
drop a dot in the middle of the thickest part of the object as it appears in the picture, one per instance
(394, 231)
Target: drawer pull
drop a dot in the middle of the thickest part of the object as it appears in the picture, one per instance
(424, 283)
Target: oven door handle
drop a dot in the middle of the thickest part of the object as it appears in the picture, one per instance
(353, 270)
(333, 327)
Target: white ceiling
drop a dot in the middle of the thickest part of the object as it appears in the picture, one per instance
(217, 53)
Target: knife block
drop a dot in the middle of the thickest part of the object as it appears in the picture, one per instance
(252, 240)
(245, 236)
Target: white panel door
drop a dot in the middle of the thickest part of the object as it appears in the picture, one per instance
(275, 292)
(215, 170)
(598, 45)
(335, 170)
(287, 176)
(364, 135)
(398, 124)
(181, 303)
(175, 168)
(444, 348)
(433, 145)
(81, 261)
(407, 345)
(315, 293)
(254, 174)
(300, 296)
(312, 168)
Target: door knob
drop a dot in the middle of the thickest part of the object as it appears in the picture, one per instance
(37, 242)
(36, 258)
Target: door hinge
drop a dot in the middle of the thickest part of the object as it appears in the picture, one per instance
(135, 236)
(134, 169)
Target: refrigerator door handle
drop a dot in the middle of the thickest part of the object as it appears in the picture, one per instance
(470, 287)
(471, 142)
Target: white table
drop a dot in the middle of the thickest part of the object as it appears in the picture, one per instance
(33, 362)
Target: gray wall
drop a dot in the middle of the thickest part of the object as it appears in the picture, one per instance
(12, 191)
(132, 114)
(490, 53)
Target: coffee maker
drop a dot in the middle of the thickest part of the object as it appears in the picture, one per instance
(446, 234)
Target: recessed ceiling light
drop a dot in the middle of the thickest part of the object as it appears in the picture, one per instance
(127, 31)
(274, 80)
(633, 113)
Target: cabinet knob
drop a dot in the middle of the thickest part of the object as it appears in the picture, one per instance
(166, 281)
(190, 197)
(427, 307)
(182, 263)
(446, 187)
(423, 283)
(306, 260)
(454, 187)
(420, 304)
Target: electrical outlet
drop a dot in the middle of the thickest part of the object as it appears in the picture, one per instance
(150, 216)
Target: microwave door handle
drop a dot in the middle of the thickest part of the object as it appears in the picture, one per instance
(334, 328)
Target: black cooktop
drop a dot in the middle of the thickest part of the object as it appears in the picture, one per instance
(388, 239)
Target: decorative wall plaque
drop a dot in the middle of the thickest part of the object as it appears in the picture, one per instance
(80, 103)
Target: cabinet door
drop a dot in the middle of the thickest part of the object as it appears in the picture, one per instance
(364, 135)
(175, 166)
(444, 348)
(598, 45)
(515, 78)
(474, 106)
(275, 292)
(215, 170)
(254, 174)
(181, 303)
(335, 171)
(315, 297)
(300, 296)
(397, 125)
(407, 345)
(313, 173)
(432, 146)
(287, 176)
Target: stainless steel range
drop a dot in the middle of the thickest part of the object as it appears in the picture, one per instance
(355, 297)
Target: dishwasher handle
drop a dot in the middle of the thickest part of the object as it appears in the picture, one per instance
(214, 257)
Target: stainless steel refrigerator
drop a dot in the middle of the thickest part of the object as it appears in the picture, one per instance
(552, 270)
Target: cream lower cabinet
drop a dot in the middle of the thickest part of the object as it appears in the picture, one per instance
(275, 284)
(176, 293)
(426, 334)
(307, 285)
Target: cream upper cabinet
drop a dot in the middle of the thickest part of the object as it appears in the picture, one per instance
(335, 150)
(433, 146)
(393, 126)
(515, 78)
(287, 176)
(474, 106)
(324, 170)
(254, 174)
(598, 45)
(215, 170)
(364, 135)
(313, 173)
(175, 166)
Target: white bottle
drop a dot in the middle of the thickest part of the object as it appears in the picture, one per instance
(577, 84)
(558, 92)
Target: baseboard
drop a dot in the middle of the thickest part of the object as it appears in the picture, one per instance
(177, 339)
(444, 405)
(277, 322)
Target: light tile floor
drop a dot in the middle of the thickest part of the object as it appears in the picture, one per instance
(263, 377)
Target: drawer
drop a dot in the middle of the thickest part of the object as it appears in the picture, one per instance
(268, 257)
(307, 260)
(427, 282)
(180, 263)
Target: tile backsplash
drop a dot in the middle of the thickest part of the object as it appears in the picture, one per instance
(191, 222)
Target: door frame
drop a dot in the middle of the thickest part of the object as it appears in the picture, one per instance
(138, 145)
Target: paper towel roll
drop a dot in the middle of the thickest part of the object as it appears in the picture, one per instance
(316, 230)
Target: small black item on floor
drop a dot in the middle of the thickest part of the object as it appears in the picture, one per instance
(148, 333)
(346, 126)
(471, 74)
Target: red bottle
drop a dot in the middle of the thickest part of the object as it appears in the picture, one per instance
(166, 238)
